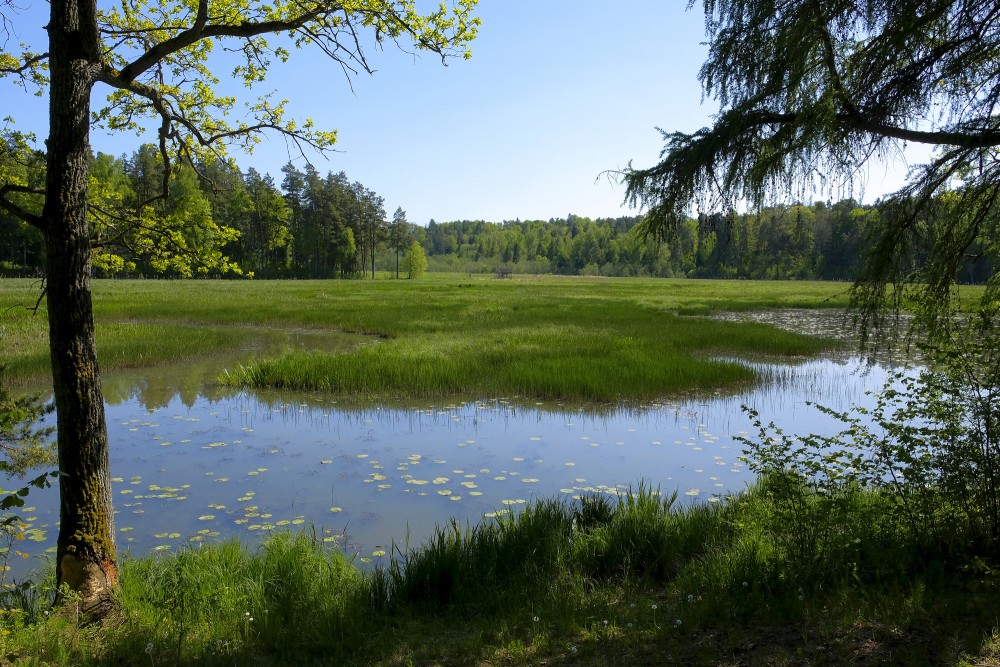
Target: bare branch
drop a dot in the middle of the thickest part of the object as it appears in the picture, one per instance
(41, 295)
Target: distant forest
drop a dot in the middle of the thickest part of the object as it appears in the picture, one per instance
(326, 226)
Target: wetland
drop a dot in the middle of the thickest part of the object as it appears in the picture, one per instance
(466, 470)
(197, 461)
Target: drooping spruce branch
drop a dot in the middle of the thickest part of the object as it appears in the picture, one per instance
(811, 90)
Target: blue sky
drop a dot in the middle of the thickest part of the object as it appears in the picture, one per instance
(557, 92)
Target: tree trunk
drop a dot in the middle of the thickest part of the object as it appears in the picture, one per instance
(86, 558)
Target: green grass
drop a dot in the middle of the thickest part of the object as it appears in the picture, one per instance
(602, 580)
(539, 338)
(641, 580)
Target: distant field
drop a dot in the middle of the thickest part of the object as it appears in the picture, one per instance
(591, 339)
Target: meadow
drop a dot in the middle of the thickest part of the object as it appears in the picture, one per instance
(594, 340)
(637, 578)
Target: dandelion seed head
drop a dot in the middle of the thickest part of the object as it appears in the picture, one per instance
(149, 648)
(677, 623)
(654, 607)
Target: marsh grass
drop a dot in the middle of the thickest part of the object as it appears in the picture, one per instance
(537, 343)
(543, 338)
(599, 580)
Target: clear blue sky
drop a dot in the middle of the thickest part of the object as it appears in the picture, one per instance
(557, 92)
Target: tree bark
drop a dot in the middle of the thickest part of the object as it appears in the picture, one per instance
(86, 557)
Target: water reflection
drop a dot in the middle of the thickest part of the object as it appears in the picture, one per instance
(192, 462)
(155, 387)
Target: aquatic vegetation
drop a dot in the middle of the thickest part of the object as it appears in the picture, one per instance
(436, 336)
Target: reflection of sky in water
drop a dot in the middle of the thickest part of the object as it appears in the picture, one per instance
(187, 466)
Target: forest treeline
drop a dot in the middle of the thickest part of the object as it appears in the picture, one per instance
(326, 226)
(216, 220)
(824, 241)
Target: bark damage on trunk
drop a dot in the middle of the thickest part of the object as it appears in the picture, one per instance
(86, 558)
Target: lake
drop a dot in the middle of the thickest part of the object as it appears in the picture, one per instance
(193, 463)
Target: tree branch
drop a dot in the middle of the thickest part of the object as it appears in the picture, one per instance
(985, 138)
(202, 30)
(25, 66)
(17, 210)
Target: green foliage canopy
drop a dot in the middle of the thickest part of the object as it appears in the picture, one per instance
(155, 62)
(416, 261)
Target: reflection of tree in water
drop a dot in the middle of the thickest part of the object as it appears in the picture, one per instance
(158, 386)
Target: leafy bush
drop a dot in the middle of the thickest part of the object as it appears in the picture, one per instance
(23, 446)
(929, 446)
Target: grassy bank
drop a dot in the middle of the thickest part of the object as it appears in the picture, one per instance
(543, 338)
(596, 582)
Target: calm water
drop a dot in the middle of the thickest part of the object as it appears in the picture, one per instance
(192, 463)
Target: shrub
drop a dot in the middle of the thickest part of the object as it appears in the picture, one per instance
(929, 446)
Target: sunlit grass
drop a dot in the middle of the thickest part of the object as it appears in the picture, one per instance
(542, 342)
(567, 339)
(604, 578)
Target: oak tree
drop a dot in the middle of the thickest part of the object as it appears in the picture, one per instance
(811, 90)
(150, 59)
